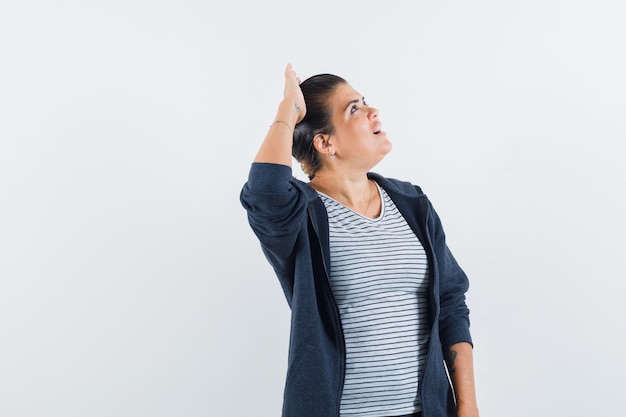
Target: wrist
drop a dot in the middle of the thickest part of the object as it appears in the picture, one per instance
(289, 111)
(282, 123)
(467, 408)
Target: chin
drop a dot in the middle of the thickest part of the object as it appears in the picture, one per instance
(388, 147)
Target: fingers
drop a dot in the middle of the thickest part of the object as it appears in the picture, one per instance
(289, 72)
(291, 80)
(293, 91)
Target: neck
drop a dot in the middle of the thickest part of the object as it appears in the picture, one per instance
(353, 191)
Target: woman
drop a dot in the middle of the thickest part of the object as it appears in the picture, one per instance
(377, 299)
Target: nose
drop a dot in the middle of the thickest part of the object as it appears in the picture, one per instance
(373, 112)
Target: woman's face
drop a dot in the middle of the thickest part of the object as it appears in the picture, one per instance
(358, 138)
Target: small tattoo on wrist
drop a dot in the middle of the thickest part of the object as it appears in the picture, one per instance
(297, 107)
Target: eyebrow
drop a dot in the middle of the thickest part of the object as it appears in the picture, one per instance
(354, 102)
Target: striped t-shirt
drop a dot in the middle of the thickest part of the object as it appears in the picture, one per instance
(379, 276)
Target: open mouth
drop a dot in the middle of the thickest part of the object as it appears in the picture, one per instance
(378, 129)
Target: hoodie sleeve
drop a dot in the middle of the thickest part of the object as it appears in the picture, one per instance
(453, 284)
(276, 209)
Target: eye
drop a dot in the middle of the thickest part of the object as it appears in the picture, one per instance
(353, 108)
(365, 102)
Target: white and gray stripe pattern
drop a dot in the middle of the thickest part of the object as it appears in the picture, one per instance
(379, 276)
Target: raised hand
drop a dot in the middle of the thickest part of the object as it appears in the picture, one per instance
(276, 147)
(293, 93)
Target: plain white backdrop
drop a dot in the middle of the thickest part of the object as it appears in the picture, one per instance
(130, 282)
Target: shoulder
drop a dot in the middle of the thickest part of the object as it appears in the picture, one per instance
(303, 187)
(393, 185)
(269, 178)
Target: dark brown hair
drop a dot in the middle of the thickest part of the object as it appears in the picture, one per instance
(318, 119)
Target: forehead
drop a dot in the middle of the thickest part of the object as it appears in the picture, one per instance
(343, 94)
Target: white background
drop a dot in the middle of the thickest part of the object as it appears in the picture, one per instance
(130, 282)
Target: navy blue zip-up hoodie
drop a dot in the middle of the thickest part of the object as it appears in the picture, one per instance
(291, 223)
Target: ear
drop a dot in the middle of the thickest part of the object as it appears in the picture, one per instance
(322, 144)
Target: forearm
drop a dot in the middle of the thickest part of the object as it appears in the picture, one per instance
(276, 147)
(459, 359)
